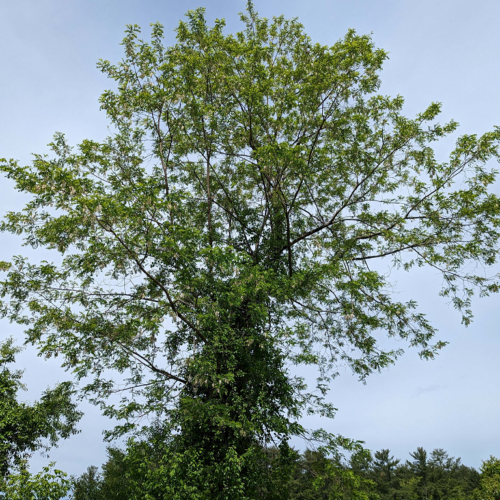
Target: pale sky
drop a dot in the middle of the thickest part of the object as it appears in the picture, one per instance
(440, 50)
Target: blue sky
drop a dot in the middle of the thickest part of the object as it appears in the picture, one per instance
(444, 50)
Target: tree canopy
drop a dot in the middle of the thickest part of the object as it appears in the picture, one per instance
(489, 488)
(48, 484)
(226, 232)
(26, 428)
(314, 476)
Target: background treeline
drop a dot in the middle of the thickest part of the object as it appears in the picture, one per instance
(312, 476)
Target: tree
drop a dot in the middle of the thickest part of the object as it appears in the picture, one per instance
(115, 476)
(26, 428)
(489, 485)
(48, 484)
(450, 478)
(226, 230)
(361, 462)
(315, 476)
(384, 468)
(88, 486)
(123, 474)
(419, 466)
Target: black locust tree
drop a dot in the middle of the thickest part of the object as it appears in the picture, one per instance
(228, 230)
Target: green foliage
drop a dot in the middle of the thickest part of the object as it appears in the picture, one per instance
(448, 477)
(489, 487)
(224, 233)
(26, 428)
(112, 484)
(155, 468)
(115, 483)
(138, 473)
(384, 472)
(88, 486)
(46, 485)
(419, 467)
(426, 477)
(317, 477)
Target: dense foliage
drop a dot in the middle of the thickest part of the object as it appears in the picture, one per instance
(48, 484)
(314, 476)
(226, 231)
(490, 480)
(25, 428)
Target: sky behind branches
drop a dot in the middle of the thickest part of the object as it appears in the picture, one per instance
(444, 51)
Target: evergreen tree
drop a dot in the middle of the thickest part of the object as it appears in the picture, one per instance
(88, 486)
(384, 471)
(419, 466)
(115, 482)
(361, 462)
